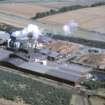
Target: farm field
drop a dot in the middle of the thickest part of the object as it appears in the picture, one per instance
(53, 23)
(61, 3)
(50, 1)
(92, 19)
(28, 90)
(20, 9)
(54, 28)
(31, 7)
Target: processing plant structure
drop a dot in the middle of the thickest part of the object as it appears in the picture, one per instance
(32, 51)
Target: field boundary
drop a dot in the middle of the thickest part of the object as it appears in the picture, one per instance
(64, 9)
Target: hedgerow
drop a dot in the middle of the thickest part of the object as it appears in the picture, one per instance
(64, 9)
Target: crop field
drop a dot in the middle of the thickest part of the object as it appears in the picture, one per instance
(89, 18)
(61, 3)
(21, 9)
(55, 5)
(19, 88)
(42, 1)
(52, 3)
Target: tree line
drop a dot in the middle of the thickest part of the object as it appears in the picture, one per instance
(64, 9)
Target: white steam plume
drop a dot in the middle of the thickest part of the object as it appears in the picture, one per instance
(70, 27)
(33, 29)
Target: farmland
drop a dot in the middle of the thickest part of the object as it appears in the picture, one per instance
(89, 18)
(52, 1)
(18, 88)
(21, 88)
(25, 10)
(29, 8)
(61, 3)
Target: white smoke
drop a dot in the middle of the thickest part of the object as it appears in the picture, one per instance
(4, 36)
(70, 27)
(33, 29)
(16, 34)
(66, 29)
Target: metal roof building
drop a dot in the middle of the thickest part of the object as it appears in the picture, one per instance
(4, 54)
(45, 51)
(74, 75)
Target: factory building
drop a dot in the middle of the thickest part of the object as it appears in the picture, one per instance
(39, 55)
(53, 56)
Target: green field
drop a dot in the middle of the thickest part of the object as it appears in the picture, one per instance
(13, 86)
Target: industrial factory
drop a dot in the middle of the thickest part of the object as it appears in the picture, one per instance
(30, 50)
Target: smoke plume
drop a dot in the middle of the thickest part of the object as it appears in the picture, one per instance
(33, 29)
(70, 27)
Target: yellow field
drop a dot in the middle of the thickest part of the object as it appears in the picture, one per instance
(22, 9)
(89, 18)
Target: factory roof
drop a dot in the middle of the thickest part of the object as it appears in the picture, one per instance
(76, 68)
(44, 39)
(65, 75)
(34, 67)
(45, 51)
(4, 54)
(14, 61)
(71, 74)
(53, 54)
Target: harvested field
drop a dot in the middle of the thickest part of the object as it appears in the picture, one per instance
(60, 3)
(89, 18)
(56, 5)
(20, 9)
(71, 2)
(8, 102)
(63, 47)
(96, 60)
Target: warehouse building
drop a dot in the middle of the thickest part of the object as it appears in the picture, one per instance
(52, 56)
